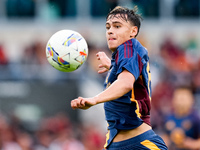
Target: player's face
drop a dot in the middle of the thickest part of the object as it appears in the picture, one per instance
(182, 101)
(118, 31)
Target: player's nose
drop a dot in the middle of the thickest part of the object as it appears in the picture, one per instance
(110, 31)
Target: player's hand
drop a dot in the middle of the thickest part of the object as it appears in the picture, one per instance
(82, 103)
(105, 62)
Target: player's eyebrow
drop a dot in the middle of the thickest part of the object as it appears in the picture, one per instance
(114, 22)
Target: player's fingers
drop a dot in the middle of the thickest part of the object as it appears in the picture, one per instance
(97, 53)
(80, 97)
(78, 102)
(82, 103)
(73, 104)
(100, 55)
(98, 58)
(102, 70)
(101, 66)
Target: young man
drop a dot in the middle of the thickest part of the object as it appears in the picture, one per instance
(128, 86)
(182, 126)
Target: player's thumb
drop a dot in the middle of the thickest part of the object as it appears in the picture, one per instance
(100, 66)
(102, 70)
(82, 102)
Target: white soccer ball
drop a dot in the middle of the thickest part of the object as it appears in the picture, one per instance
(66, 50)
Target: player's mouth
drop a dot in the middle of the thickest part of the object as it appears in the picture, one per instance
(111, 39)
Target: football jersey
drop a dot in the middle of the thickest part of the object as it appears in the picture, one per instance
(133, 108)
(180, 127)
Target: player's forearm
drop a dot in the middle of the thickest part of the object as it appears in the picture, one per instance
(116, 90)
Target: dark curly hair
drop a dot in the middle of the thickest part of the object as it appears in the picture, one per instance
(127, 15)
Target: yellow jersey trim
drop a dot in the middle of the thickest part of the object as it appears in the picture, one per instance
(137, 111)
(150, 145)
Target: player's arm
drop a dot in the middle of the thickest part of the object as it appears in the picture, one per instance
(121, 86)
(105, 62)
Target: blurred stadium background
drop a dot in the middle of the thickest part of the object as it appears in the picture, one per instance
(35, 98)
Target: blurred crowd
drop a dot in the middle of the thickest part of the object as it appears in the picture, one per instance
(175, 65)
(52, 133)
(175, 97)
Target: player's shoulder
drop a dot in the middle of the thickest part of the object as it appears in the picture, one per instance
(141, 51)
(125, 46)
(131, 49)
(194, 115)
(140, 48)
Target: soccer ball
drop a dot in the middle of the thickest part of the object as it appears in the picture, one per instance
(66, 50)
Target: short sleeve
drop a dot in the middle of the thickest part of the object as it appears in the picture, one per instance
(131, 65)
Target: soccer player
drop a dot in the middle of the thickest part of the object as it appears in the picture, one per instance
(127, 94)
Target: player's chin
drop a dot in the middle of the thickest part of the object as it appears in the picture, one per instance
(112, 47)
(112, 44)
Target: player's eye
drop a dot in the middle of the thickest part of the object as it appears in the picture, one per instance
(117, 26)
(107, 27)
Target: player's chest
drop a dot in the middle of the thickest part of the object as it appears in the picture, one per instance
(111, 76)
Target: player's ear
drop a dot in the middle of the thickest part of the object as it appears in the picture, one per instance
(134, 31)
